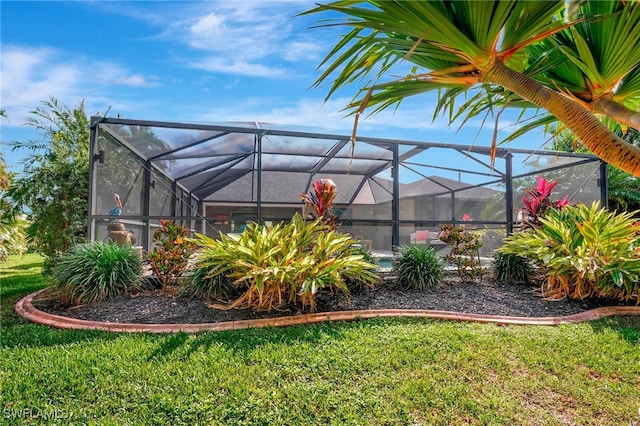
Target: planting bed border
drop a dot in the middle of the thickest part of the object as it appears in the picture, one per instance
(25, 308)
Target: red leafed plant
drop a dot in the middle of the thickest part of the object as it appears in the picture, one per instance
(320, 198)
(170, 256)
(537, 202)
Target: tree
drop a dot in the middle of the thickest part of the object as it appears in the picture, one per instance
(623, 189)
(596, 60)
(5, 177)
(12, 236)
(54, 187)
(593, 62)
(459, 45)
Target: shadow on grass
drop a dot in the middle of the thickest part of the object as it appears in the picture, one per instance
(21, 285)
(22, 267)
(627, 327)
(29, 335)
(17, 331)
(244, 342)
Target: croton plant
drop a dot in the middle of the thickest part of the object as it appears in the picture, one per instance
(538, 200)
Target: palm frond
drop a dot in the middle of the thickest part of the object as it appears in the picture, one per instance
(448, 41)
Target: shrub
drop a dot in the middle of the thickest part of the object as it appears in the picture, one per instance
(12, 235)
(170, 257)
(285, 263)
(465, 247)
(418, 267)
(95, 271)
(511, 268)
(586, 251)
(205, 285)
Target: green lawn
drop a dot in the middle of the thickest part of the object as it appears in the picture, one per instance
(404, 372)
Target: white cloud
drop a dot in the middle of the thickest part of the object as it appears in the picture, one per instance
(219, 33)
(412, 121)
(251, 38)
(303, 51)
(242, 37)
(314, 113)
(209, 28)
(112, 74)
(237, 67)
(233, 28)
(33, 74)
(233, 42)
(232, 84)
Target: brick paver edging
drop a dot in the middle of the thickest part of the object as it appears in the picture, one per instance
(25, 308)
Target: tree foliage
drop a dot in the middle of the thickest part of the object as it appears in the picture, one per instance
(466, 48)
(623, 189)
(12, 226)
(594, 61)
(53, 189)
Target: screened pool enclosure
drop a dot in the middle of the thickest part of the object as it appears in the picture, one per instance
(217, 178)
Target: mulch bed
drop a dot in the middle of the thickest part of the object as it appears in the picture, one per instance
(486, 297)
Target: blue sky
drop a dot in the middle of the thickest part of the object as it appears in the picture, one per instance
(201, 62)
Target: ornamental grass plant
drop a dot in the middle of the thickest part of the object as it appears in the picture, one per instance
(204, 284)
(512, 268)
(96, 271)
(418, 267)
(356, 285)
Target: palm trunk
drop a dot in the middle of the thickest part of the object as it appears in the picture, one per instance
(620, 113)
(586, 126)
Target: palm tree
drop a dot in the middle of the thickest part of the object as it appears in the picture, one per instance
(457, 45)
(597, 60)
(589, 62)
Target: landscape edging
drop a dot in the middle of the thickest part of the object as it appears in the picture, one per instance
(24, 307)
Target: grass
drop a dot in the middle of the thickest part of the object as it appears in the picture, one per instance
(21, 274)
(380, 372)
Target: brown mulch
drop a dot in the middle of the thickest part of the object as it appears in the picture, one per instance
(487, 297)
